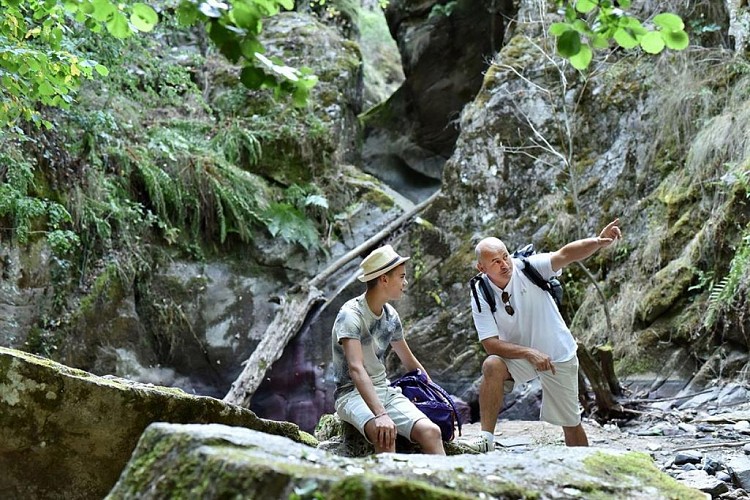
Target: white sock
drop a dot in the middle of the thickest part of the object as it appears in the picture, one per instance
(490, 437)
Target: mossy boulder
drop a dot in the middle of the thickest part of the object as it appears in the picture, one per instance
(216, 461)
(75, 431)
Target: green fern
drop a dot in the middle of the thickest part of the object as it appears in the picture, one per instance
(289, 223)
(723, 293)
(238, 145)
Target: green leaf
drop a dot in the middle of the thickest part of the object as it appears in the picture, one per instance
(582, 60)
(287, 4)
(46, 89)
(118, 26)
(624, 4)
(252, 77)
(599, 41)
(250, 46)
(557, 29)
(245, 17)
(569, 44)
(103, 10)
(299, 97)
(143, 17)
(187, 13)
(585, 6)
(308, 82)
(676, 40)
(625, 39)
(581, 27)
(668, 21)
(87, 8)
(101, 69)
(652, 42)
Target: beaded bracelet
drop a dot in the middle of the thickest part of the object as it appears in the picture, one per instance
(381, 414)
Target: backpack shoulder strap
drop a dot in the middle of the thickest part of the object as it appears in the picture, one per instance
(531, 273)
(481, 281)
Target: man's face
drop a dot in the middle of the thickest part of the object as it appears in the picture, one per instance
(495, 262)
(395, 282)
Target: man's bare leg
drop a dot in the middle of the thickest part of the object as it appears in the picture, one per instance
(427, 435)
(575, 436)
(491, 391)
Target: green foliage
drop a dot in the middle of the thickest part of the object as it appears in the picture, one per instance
(593, 24)
(41, 62)
(25, 211)
(724, 292)
(291, 219)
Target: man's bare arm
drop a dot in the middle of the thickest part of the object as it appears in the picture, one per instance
(360, 377)
(509, 350)
(581, 249)
(410, 362)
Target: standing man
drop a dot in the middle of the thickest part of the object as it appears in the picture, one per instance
(527, 337)
(363, 329)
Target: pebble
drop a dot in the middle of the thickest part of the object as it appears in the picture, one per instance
(746, 449)
(723, 476)
(688, 457)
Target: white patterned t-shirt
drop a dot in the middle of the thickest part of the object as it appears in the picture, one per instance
(355, 320)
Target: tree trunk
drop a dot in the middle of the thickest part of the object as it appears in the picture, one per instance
(606, 361)
(605, 402)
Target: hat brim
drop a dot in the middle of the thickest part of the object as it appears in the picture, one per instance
(364, 278)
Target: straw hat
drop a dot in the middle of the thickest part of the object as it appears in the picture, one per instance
(380, 261)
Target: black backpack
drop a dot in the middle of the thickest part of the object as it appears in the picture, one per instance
(553, 285)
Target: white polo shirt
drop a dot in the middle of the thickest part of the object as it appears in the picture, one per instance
(536, 322)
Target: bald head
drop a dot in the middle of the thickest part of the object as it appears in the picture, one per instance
(489, 245)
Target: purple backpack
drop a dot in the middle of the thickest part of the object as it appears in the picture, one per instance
(432, 400)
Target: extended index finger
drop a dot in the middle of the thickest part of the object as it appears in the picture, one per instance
(552, 367)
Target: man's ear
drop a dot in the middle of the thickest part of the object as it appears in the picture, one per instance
(480, 267)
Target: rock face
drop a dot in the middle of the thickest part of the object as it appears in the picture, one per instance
(75, 431)
(444, 50)
(215, 461)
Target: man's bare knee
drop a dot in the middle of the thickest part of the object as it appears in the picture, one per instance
(425, 430)
(495, 368)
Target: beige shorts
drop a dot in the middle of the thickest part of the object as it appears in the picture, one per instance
(559, 391)
(353, 409)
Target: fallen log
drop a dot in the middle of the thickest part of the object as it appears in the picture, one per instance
(294, 310)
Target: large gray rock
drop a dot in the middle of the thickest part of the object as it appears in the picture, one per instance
(66, 433)
(414, 129)
(215, 461)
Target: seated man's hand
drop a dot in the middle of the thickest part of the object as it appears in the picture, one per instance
(386, 431)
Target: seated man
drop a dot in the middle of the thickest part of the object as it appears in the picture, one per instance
(363, 329)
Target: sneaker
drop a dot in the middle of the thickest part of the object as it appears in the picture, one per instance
(478, 444)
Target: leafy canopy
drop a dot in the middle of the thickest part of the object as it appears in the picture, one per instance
(41, 65)
(593, 24)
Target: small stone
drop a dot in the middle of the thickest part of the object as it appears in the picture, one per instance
(746, 449)
(711, 465)
(688, 467)
(688, 457)
(723, 476)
